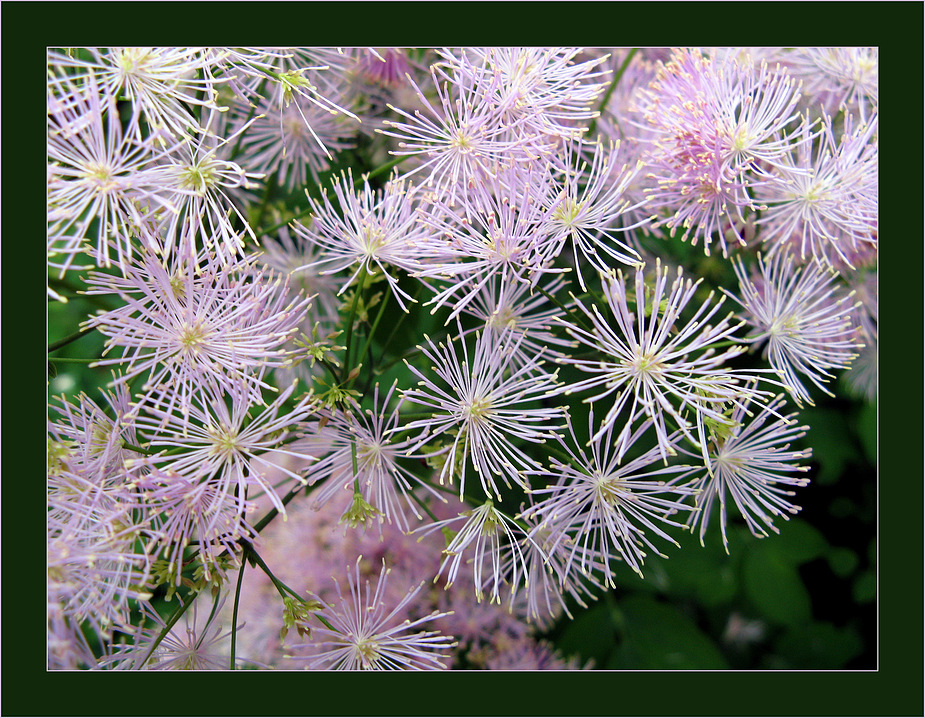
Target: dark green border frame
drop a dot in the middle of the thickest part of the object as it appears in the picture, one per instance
(895, 689)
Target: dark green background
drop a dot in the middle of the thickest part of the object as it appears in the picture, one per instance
(894, 689)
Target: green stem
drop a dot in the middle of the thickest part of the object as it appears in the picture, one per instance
(251, 554)
(250, 116)
(372, 331)
(274, 512)
(613, 86)
(566, 310)
(171, 622)
(234, 611)
(265, 200)
(361, 284)
(54, 346)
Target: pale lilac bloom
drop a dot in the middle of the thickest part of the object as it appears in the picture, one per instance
(88, 439)
(482, 405)
(589, 206)
(459, 141)
(549, 585)
(242, 447)
(279, 143)
(501, 229)
(368, 634)
(794, 313)
(162, 84)
(366, 231)
(822, 201)
(490, 541)
(541, 91)
(662, 367)
(195, 326)
(529, 654)
(93, 567)
(714, 121)
(599, 506)
(839, 77)
(362, 452)
(195, 181)
(863, 375)
(196, 644)
(94, 175)
(193, 509)
(751, 461)
(506, 305)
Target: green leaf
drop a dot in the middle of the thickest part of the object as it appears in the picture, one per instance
(843, 561)
(867, 431)
(819, 646)
(865, 587)
(798, 542)
(591, 635)
(703, 572)
(827, 431)
(657, 636)
(774, 588)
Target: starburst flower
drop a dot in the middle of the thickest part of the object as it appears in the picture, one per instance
(487, 405)
(839, 77)
(193, 509)
(459, 142)
(279, 143)
(93, 567)
(161, 83)
(537, 90)
(751, 461)
(511, 306)
(366, 634)
(492, 542)
(590, 205)
(794, 313)
(549, 586)
(662, 367)
(599, 506)
(198, 645)
(90, 440)
(822, 199)
(193, 326)
(501, 229)
(94, 178)
(371, 231)
(714, 121)
(197, 182)
(237, 447)
(361, 453)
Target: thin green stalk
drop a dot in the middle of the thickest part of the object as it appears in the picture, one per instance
(613, 86)
(564, 309)
(171, 622)
(54, 346)
(369, 337)
(250, 116)
(361, 284)
(234, 611)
